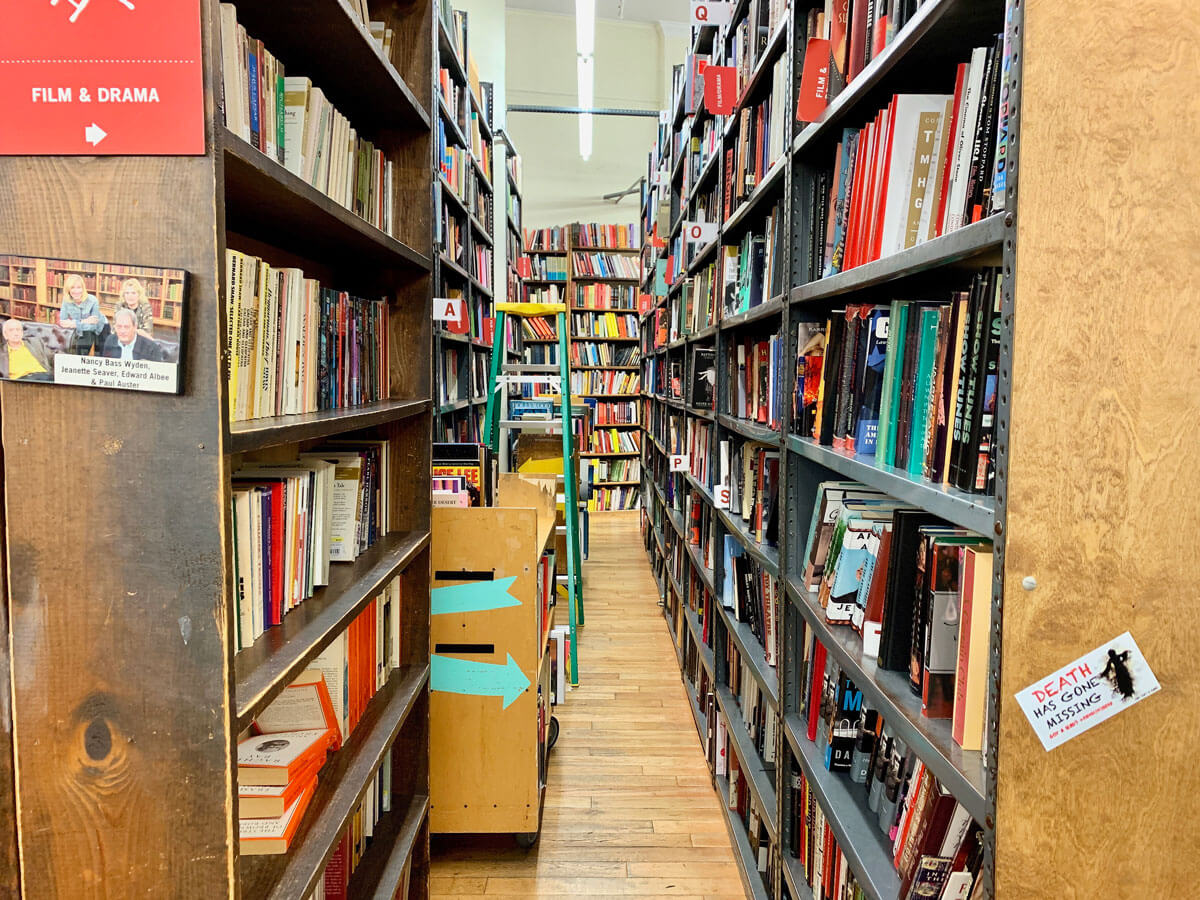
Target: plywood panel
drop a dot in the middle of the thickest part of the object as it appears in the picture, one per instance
(1103, 449)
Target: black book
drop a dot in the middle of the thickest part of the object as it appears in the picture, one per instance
(982, 455)
(845, 383)
(945, 419)
(984, 133)
(862, 354)
(704, 377)
(982, 182)
(895, 638)
(831, 375)
(758, 261)
(819, 224)
(972, 336)
(976, 373)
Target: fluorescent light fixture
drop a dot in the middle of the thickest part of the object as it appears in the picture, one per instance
(585, 27)
(586, 75)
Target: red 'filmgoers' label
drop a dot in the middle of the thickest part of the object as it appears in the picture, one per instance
(101, 77)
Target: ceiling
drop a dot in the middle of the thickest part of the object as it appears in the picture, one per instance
(628, 10)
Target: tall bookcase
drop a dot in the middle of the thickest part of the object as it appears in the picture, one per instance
(1072, 557)
(127, 696)
(464, 196)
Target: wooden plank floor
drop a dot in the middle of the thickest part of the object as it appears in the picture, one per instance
(630, 808)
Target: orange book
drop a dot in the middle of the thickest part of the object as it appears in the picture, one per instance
(262, 837)
(270, 801)
(303, 705)
(279, 758)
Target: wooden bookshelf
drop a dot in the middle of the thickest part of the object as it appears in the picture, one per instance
(128, 692)
(1065, 485)
(463, 266)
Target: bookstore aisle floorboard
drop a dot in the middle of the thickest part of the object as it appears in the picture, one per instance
(630, 810)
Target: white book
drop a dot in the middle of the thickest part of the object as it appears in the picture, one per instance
(231, 69)
(257, 581)
(296, 92)
(314, 120)
(928, 226)
(908, 163)
(244, 586)
(741, 381)
(964, 142)
(334, 663)
(345, 506)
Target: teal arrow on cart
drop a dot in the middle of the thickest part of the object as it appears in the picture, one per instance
(474, 596)
(480, 679)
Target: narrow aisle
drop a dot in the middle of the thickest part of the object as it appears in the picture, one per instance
(630, 807)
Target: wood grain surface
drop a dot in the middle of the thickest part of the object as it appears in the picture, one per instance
(630, 808)
(1103, 447)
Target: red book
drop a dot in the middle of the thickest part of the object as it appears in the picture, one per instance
(337, 871)
(277, 549)
(886, 166)
(858, 189)
(762, 353)
(816, 688)
(879, 39)
(948, 147)
(858, 39)
(871, 199)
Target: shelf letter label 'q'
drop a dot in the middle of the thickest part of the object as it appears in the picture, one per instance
(447, 309)
(679, 462)
(705, 13)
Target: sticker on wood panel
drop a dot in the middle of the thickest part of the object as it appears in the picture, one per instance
(1086, 692)
(91, 324)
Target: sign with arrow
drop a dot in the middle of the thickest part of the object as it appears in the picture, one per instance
(473, 596)
(479, 679)
(91, 77)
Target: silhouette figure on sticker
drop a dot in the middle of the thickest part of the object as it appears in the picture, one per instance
(1117, 673)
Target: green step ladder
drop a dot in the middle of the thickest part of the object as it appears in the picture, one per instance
(497, 421)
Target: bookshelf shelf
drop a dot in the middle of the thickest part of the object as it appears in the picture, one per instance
(359, 80)
(974, 511)
(866, 848)
(793, 875)
(769, 188)
(764, 310)
(979, 239)
(266, 201)
(451, 266)
(751, 761)
(607, 279)
(747, 865)
(759, 76)
(340, 789)
(258, 434)
(453, 130)
(961, 772)
(265, 668)
(752, 430)
(705, 651)
(705, 572)
(381, 873)
(448, 54)
(607, 455)
(702, 256)
(752, 653)
(768, 557)
(704, 334)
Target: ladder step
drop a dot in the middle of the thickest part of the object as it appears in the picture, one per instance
(531, 369)
(531, 424)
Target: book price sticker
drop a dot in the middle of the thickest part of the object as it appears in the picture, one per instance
(1086, 692)
(679, 462)
(700, 232)
(704, 13)
(721, 496)
(447, 309)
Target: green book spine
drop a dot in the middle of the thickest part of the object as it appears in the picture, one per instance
(921, 388)
(889, 371)
(280, 115)
(897, 329)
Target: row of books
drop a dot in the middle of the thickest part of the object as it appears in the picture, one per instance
(755, 392)
(614, 440)
(546, 240)
(913, 384)
(925, 166)
(606, 470)
(610, 382)
(606, 499)
(452, 235)
(609, 237)
(759, 140)
(540, 354)
(291, 520)
(700, 523)
(927, 832)
(464, 374)
(539, 328)
(479, 265)
(548, 268)
(280, 760)
(606, 296)
(918, 591)
(705, 144)
(760, 722)
(748, 38)
(598, 353)
(752, 596)
(752, 270)
(606, 265)
(608, 324)
(295, 347)
(694, 440)
(464, 183)
(750, 471)
(289, 120)
(740, 800)
(696, 305)
(620, 412)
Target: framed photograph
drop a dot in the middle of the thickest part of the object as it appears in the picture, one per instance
(91, 324)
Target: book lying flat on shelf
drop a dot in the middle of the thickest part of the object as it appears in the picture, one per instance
(259, 837)
(277, 758)
(270, 801)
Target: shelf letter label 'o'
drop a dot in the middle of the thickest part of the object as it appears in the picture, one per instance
(447, 309)
(701, 232)
(679, 462)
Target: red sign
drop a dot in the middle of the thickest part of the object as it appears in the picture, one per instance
(720, 89)
(101, 77)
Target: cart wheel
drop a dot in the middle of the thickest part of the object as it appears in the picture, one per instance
(553, 737)
(527, 839)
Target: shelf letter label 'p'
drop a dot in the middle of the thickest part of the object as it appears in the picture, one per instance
(679, 462)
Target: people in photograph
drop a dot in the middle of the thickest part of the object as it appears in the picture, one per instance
(23, 358)
(133, 296)
(126, 343)
(81, 311)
